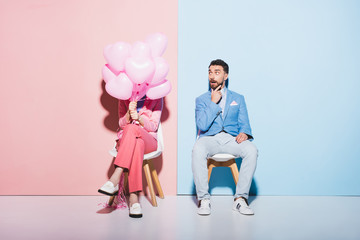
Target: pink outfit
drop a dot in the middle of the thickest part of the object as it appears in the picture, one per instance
(135, 141)
(150, 114)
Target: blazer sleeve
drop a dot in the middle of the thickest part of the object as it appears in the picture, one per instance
(243, 118)
(206, 112)
(151, 119)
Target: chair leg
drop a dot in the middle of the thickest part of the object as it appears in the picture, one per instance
(230, 163)
(111, 200)
(235, 172)
(210, 168)
(150, 183)
(126, 186)
(156, 179)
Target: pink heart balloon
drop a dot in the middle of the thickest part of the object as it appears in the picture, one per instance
(140, 70)
(161, 70)
(116, 55)
(107, 74)
(141, 50)
(158, 43)
(120, 87)
(159, 91)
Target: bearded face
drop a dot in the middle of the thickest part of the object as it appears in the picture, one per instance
(217, 76)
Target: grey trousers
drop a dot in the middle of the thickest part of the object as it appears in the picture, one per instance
(223, 142)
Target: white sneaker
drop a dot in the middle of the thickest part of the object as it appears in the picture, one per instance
(205, 207)
(109, 189)
(135, 211)
(242, 206)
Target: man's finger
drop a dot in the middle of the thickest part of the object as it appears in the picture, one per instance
(217, 89)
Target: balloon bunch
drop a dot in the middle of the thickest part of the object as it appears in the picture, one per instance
(133, 71)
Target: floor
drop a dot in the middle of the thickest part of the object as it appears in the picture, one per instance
(83, 217)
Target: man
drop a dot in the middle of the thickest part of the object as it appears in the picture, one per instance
(223, 124)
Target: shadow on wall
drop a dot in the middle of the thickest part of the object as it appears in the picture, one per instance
(111, 123)
(221, 177)
(111, 105)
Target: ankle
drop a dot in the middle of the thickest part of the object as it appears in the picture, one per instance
(246, 201)
(113, 181)
(115, 177)
(134, 198)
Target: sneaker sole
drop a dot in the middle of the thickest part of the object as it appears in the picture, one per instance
(202, 214)
(106, 193)
(135, 215)
(246, 214)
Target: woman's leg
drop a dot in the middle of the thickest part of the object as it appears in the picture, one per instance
(145, 143)
(134, 198)
(134, 143)
(115, 177)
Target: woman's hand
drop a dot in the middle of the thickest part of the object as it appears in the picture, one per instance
(134, 115)
(132, 112)
(132, 106)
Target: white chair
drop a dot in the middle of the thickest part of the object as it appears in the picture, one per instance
(223, 160)
(149, 169)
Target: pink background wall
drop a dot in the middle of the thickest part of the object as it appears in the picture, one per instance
(57, 122)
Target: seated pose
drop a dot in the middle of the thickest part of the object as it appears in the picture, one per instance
(138, 122)
(222, 119)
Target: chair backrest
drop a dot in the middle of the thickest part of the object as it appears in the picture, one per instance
(160, 139)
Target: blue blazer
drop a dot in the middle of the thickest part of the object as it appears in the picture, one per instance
(209, 119)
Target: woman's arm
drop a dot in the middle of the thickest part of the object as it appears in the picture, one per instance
(150, 118)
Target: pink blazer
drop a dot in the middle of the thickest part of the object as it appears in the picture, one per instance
(150, 114)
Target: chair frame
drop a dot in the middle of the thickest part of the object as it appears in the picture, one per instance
(223, 160)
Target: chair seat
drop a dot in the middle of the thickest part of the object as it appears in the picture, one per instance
(222, 157)
(152, 155)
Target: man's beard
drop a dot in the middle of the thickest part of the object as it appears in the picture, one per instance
(213, 87)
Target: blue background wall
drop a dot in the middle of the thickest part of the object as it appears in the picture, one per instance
(298, 65)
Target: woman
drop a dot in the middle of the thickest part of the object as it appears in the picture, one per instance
(138, 124)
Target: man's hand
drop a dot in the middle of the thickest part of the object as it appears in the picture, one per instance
(241, 137)
(216, 95)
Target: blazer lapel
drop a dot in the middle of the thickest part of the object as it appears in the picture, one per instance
(228, 101)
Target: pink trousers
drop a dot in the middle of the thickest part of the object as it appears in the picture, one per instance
(134, 143)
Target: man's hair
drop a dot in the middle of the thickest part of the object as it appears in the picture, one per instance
(220, 62)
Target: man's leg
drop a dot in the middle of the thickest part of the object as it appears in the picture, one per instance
(203, 148)
(248, 152)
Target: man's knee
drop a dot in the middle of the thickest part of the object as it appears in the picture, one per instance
(199, 149)
(251, 150)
